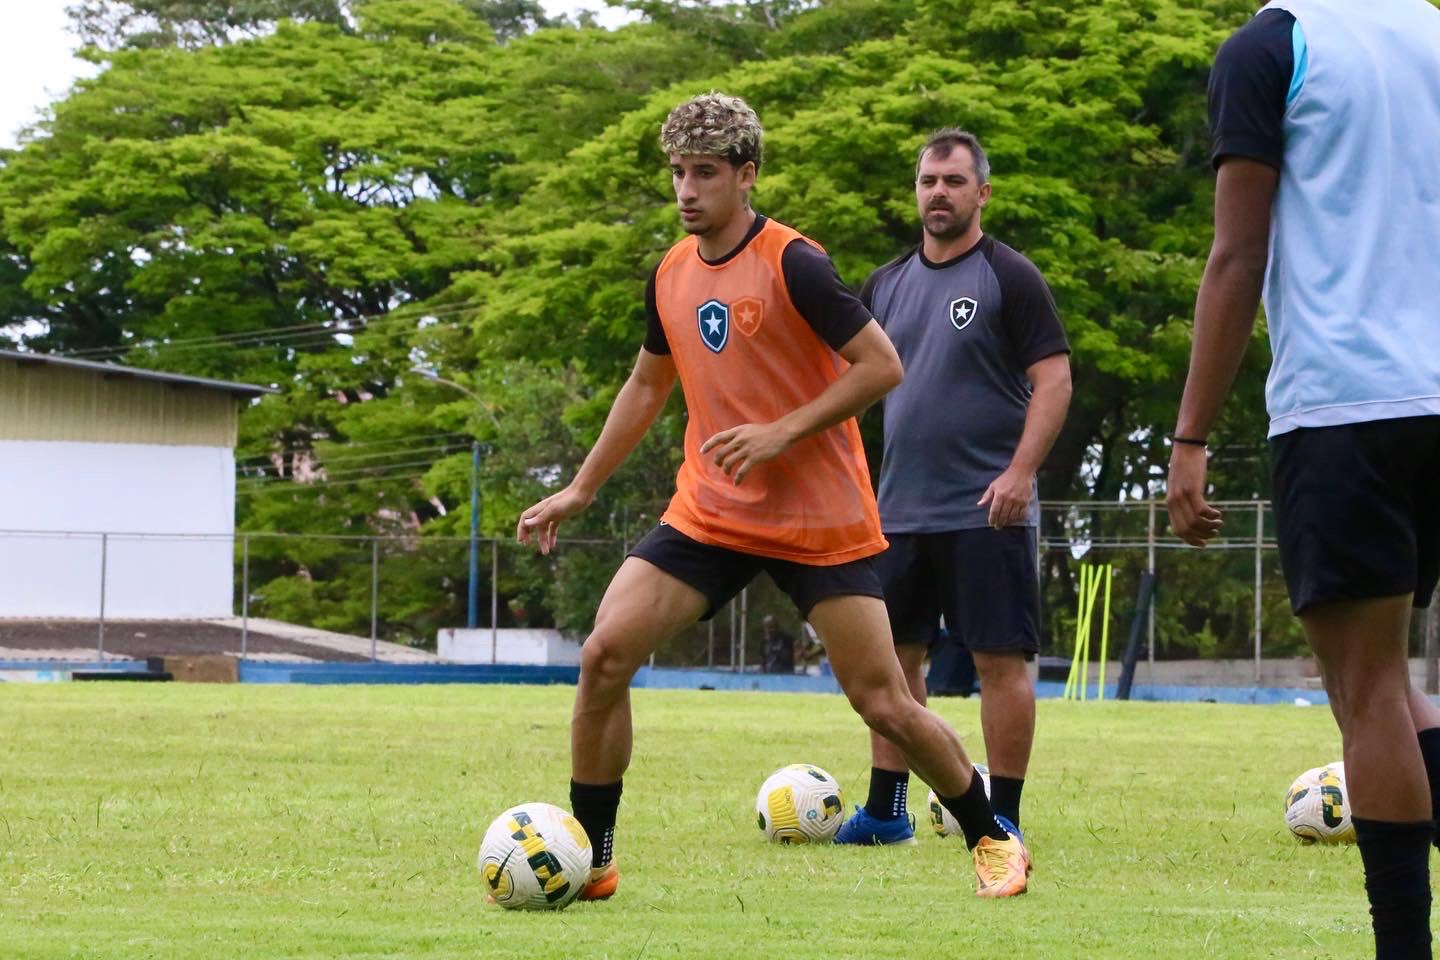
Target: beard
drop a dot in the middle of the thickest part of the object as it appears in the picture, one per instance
(948, 227)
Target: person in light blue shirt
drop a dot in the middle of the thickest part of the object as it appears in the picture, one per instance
(1326, 119)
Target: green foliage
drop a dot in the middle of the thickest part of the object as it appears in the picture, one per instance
(321, 195)
(112, 24)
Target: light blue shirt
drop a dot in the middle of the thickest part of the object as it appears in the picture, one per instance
(1352, 290)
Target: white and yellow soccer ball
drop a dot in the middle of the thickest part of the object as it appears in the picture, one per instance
(1317, 807)
(535, 857)
(800, 804)
(941, 820)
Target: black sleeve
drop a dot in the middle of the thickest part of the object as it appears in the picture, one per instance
(817, 292)
(1028, 314)
(1248, 87)
(655, 340)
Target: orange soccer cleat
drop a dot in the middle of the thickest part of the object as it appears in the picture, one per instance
(603, 883)
(1001, 866)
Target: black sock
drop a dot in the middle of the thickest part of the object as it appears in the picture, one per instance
(889, 793)
(1005, 797)
(594, 805)
(1397, 881)
(1430, 750)
(972, 810)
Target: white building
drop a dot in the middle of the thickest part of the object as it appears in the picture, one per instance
(105, 461)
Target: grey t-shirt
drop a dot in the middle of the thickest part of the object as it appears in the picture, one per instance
(966, 330)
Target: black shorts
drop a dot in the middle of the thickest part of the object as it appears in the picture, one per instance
(1357, 509)
(720, 573)
(983, 581)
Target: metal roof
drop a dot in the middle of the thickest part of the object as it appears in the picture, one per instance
(114, 370)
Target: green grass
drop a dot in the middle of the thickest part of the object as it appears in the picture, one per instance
(236, 821)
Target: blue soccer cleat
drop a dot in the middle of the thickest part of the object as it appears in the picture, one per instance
(862, 828)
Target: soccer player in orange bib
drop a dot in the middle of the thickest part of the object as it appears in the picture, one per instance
(775, 357)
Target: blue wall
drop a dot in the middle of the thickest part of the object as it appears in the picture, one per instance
(656, 678)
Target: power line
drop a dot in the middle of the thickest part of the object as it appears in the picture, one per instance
(346, 445)
(321, 485)
(315, 338)
(347, 471)
(328, 328)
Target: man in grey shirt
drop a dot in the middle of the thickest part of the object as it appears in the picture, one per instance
(987, 384)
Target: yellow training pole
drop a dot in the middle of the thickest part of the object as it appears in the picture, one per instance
(1105, 626)
(1070, 678)
(1094, 592)
(1072, 682)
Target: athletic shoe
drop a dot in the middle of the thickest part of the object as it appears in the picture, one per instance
(603, 883)
(1014, 831)
(1001, 867)
(862, 828)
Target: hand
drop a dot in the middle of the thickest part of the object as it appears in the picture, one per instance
(543, 519)
(739, 449)
(1008, 497)
(1192, 519)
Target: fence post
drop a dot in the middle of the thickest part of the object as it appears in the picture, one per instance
(744, 616)
(374, 595)
(1259, 581)
(244, 595)
(733, 625)
(1150, 567)
(494, 598)
(100, 637)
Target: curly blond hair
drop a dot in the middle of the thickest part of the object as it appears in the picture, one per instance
(714, 123)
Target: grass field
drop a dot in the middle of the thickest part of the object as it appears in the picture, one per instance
(187, 821)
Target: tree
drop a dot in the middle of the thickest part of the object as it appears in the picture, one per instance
(114, 24)
(323, 204)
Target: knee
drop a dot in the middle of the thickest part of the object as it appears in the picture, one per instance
(884, 713)
(1008, 671)
(603, 664)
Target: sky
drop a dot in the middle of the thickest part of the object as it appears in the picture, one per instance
(37, 63)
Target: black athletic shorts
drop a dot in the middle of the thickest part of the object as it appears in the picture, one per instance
(983, 581)
(1357, 509)
(720, 573)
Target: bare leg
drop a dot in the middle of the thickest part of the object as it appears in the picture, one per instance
(643, 607)
(884, 754)
(1361, 646)
(856, 633)
(1007, 712)
(1423, 713)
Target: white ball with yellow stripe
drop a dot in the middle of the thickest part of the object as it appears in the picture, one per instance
(942, 821)
(535, 857)
(1317, 806)
(800, 803)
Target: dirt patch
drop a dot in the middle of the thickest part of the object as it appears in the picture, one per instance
(139, 639)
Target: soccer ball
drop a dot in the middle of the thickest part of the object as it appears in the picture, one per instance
(800, 804)
(1316, 806)
(941, 820)
(535, 857)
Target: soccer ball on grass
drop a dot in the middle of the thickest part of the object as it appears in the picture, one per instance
(535, 857)
(800, 804)
(1317, 806)
(941, 821)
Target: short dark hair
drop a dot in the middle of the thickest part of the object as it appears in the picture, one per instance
(947, 139)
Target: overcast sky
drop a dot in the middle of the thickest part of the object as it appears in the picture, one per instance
(37, 65)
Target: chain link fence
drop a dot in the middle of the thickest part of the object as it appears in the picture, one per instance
(1226, 602)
